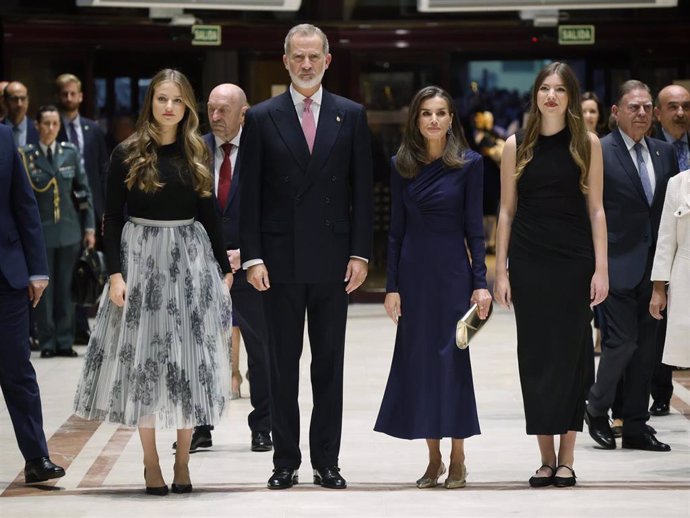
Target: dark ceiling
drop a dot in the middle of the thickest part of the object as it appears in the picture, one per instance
(332, 12)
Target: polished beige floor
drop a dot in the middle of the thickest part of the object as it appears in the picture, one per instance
(105, 471)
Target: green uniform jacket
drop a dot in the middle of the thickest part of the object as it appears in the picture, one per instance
(62, 224)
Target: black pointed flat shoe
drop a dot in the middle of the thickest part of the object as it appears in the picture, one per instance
(543, 481)
(564, 481)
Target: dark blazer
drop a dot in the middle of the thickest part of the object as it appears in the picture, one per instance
(69, 174)
(659, 134)
(305, 215)
(31, 131)
(230, 216)
(22, 252)
(95, 155)
(632, 224)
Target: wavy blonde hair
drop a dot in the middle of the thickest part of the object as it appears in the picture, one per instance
(580, 147)
(141, 147)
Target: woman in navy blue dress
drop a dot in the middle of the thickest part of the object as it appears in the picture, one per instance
(436, 192)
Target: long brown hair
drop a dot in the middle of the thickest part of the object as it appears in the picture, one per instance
(412, 153)
(580, 148)
(141, 146)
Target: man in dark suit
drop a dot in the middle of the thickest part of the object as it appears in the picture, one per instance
(636, 171)
(672, 112)
(23, 271)
(17, 103)
(306, 232)
(227, 104)
(89, 140)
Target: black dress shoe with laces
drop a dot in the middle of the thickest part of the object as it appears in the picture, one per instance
(660, 408)
(200, 439)
(329, 477)
(600, 431)
(644, 441)
(261, 441)
(283, 478)
(41, 469)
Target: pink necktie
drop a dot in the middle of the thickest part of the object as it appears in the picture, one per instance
(225, 176)
(308, 123)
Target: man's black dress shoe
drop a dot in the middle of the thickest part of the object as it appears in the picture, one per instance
(645, 441)
(261, 441)
(659, 408)
(68, 353)
(283, 478)
(329, 477)
(600, 431)
(39, 470)
(46, 353)
(200, 439)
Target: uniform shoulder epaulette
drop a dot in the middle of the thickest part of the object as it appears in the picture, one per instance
(67, 145)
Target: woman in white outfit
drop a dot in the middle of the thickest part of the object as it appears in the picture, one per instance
(672, 266)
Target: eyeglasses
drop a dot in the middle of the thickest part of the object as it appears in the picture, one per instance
(17, 98)
(635, 108)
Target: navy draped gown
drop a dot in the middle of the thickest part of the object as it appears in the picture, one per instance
(435, 260)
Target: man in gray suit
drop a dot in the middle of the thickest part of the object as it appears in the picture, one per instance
(636, 171)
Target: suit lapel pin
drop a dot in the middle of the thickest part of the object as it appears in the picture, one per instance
(337, 118)
(657, 152)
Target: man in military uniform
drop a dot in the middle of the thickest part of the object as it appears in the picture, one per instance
(55, 172)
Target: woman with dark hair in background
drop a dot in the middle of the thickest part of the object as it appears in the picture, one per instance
(436, 204)
(157, 356)
(595, 119)
(552, 229)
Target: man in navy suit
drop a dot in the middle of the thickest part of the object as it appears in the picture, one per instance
(23, 278)
(17, 104)
(227, 104)
(89, 140)
(636, 171)
(306, 236)
(672, 111)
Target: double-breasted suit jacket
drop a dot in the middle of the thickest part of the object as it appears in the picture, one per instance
(22, 255)
(248, 311)
(305, 214)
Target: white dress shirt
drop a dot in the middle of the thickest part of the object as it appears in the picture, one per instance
(646, 155)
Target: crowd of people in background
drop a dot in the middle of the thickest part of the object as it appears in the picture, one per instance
(607, 230)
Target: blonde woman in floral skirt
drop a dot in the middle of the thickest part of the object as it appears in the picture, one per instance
(158, 356)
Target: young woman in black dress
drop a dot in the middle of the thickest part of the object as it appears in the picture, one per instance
(552, 239)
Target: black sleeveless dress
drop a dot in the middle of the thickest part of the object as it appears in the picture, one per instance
(551, 263)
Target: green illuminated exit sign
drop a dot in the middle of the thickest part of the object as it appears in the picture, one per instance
(206, 34)
(576, 34)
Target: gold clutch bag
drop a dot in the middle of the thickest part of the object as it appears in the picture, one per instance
(469, 325)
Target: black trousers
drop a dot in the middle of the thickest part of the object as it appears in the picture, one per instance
(17, 375)
(325, 305)
(629, 354)
(662, 379)
(248, 308)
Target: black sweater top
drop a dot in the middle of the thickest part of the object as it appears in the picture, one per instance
(174, 201)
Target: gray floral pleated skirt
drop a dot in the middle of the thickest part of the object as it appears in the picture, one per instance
(163, 359)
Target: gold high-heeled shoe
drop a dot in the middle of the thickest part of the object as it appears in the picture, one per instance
(427, 482)
(455, 483)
